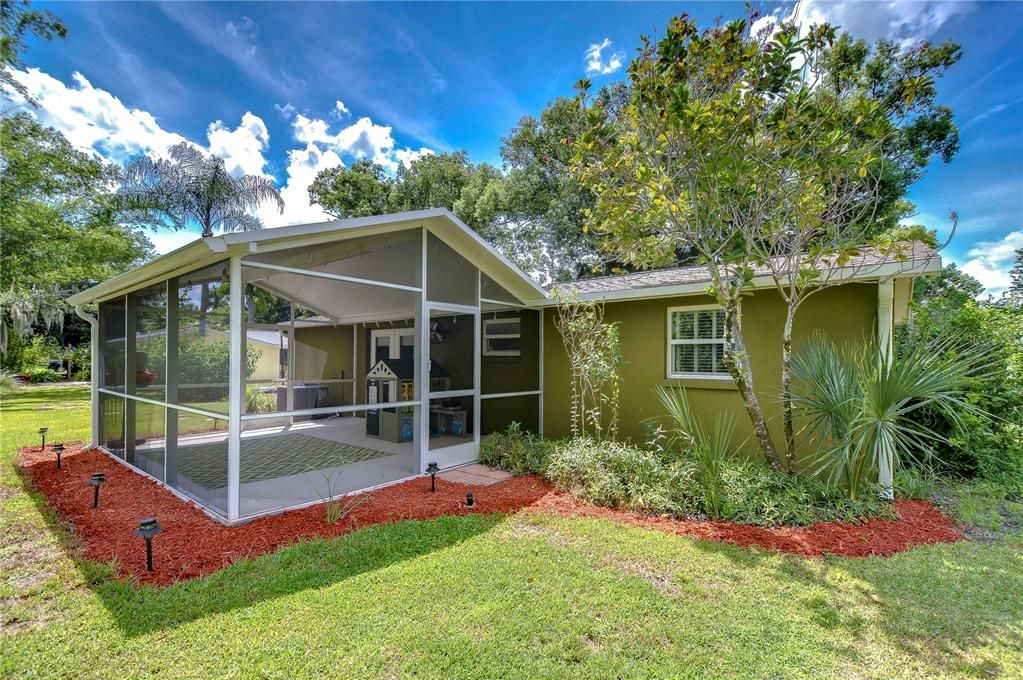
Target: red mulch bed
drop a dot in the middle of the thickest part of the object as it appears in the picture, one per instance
(192, 544)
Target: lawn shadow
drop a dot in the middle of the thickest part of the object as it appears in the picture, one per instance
(307, 564)
(933, 603)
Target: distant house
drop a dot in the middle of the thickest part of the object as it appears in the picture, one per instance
(396, 295)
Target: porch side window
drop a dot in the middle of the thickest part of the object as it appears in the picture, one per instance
(502, 337)
(696, 342)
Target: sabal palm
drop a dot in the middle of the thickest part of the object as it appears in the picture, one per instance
(859, 403)
(192, 186)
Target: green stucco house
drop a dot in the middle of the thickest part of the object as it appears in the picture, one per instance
(256, 372)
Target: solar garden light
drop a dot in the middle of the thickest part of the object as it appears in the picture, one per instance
(58, 449)
(147, 529)
(433, 469)
(97, 479)
(470, 500)
(42, 433)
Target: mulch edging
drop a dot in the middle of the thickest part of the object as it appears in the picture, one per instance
(192, 544)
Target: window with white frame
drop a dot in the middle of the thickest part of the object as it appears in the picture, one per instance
(696, 342)
(502, 337)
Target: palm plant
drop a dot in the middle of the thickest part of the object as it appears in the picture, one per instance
(710, 449)
(859, 403)
(191, 186)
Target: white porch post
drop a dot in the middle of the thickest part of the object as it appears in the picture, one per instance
(421, 387)
(885, 328)
(476, 334)
(236, 389)
(94, 363)
(540, 421)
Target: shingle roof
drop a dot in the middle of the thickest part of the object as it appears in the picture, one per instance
(917, 253)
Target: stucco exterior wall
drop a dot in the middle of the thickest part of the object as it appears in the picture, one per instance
(844, 313)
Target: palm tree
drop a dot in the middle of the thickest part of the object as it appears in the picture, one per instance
(860, 402)
(191, 186)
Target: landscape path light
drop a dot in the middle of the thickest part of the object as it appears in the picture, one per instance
(42, 433)
(96, 481)
(58, 449)
(147, 529)
(433, 469)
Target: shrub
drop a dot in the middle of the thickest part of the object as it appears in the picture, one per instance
(259, 402)
(516, 450)
(617, 475)
(43, 375)
(661, 482)
(914, 483)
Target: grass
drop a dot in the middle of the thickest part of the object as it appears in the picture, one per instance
(494, 596)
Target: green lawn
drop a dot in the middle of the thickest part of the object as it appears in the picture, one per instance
(496, 597)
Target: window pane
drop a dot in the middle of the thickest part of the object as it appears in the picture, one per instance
(451, 351)
(720, 324)
(683, 360)
(719, 358)
(112, 344)
(149, 438)
(203, 353)
(704, 358)
(682, 325)
(511, 364)
(111, 421)
(705, 324)
(150, 309)
(197, 459)
(450, 277)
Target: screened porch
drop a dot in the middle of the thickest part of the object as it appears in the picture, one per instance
(306, 368)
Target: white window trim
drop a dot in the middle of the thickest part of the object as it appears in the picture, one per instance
(394, 346)
(670, 343)
(487, 336)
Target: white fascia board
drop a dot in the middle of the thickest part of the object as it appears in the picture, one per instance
(845, 275)
(192, 256)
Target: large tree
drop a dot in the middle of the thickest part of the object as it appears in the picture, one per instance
(856, 128)
(725, 145)
(190, 186)
(59, 230)
(17, 20)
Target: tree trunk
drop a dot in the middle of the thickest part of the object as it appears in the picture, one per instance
(786, 391)
(738, 365)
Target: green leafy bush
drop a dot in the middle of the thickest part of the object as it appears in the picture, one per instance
(617, 475)
(987, 448)
(662, 482)
(914, 483)
(43, 375)
(516, 450)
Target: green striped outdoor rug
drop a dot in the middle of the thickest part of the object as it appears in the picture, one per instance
(267, 458)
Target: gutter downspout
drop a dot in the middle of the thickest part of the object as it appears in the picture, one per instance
(94, 369)
(885, 339)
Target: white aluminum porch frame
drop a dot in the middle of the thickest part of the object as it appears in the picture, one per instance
(235, 416)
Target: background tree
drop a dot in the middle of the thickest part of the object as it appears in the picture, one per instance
(1015, 292)
(17, 19)
(856, 128)
(358, 191)
(545, 202)
(59, 231)
(192, 187)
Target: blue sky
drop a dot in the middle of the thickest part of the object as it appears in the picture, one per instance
(286, 89)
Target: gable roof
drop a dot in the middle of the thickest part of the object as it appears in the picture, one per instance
(203, 252)
(871, 265)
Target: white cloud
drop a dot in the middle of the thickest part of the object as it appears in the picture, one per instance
(241, 148)
(595, 60)
(340, 109)
(361, 139)
(990, 261)
(408, 156)
(303, 164)
(904, 21)
(92, 118)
